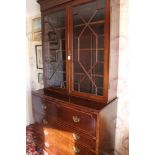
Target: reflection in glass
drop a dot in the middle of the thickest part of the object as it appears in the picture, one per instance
(54, 50)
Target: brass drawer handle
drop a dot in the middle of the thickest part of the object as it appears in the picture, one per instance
(76, 149)
(44, 107)
(45, 121)
(76, 119)
(46, 144)
(45, 132)
(76, 136)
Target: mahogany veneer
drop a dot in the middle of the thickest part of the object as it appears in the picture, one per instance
(93, 134)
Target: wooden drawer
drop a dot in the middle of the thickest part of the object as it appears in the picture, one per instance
(68, 149)
(66, 134)
(76, 118)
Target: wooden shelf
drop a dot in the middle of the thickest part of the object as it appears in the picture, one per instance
(53, 49)
(95, 75)
(56, 41)
(90, 49)
(91, 23)
(53, 41)
(79, 25)
(76, 83)
(99, 35)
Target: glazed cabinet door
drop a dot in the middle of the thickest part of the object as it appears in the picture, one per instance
(76, 48)
(88, 49)
(54, 50)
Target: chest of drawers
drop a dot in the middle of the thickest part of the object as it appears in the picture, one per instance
(65, 129)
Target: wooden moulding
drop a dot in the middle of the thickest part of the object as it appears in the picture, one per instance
(47, 4)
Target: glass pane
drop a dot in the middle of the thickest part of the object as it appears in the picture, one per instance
(54, 50)
(88, 49)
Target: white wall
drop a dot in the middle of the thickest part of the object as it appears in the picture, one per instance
(33, 11)
(32, 8)
(122, 128)
(29, 118)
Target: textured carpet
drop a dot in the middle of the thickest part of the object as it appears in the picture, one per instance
(33, 147)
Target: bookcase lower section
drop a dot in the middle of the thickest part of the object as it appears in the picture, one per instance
(68, 129)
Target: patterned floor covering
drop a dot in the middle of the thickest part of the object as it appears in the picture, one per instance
(32, 145)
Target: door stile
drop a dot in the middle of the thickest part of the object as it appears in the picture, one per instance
(70, 46)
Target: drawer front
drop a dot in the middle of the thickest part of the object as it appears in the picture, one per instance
(51, 119)
(78, 119)
(55, 148)
(65, 134)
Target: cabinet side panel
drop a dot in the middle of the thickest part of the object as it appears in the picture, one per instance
(114, 50)
(37, 108)
(107, 129)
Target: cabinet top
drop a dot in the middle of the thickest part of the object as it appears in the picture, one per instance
(47, 4)
(60, 1)
(90, 105)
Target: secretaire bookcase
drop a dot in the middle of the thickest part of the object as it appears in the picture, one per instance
(75, 112)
